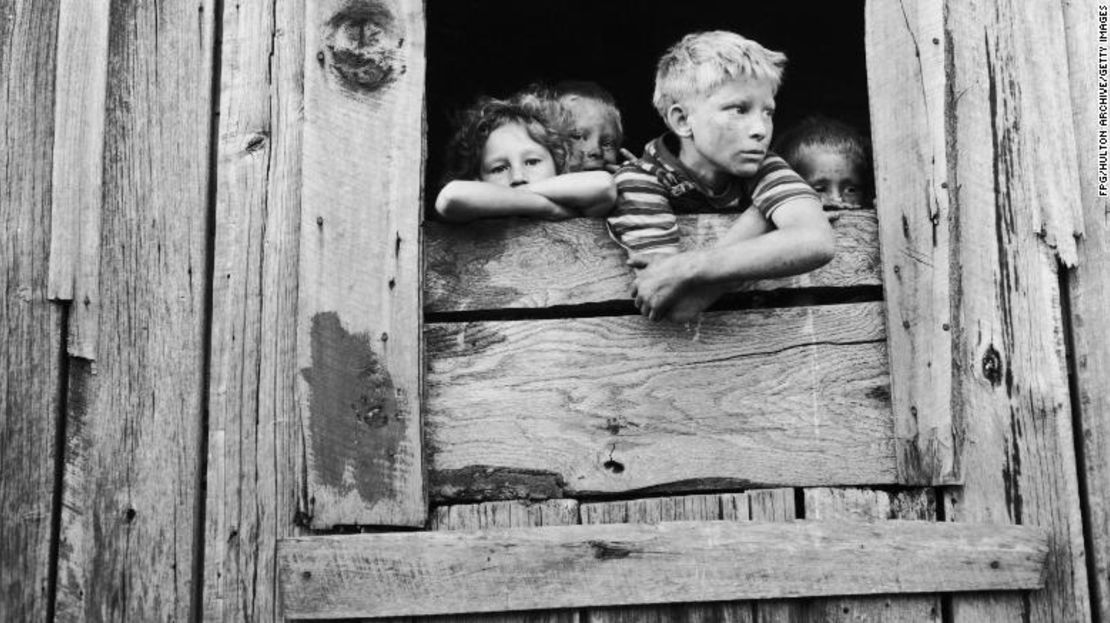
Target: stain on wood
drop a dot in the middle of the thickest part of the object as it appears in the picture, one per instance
(548, 396)
(485, 482)
(355, 419)
(522, 263)
(360, 260)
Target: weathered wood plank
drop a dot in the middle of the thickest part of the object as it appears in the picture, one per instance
(620, 564)
(1089, 294)
(360, 269)
(1012, 382)
(906, 80)
(80, 90)
(654, 510)
(31, 348)
(254, 451)
(520, 263)
(505, 514)
(773, 505)
(133, 451)
(545, 408)
(870, 505)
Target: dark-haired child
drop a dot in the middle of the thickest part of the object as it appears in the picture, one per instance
(833, 158)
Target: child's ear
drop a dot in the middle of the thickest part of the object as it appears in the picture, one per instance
(679, 121)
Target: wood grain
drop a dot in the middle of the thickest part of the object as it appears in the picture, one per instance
(538, 409)
(655, 510)
(906, 81)
(521, 263)
(255, 454)
(130, 507)
(619, 564)
(80, 89)
(505, 514)
(870, 505)
(359, 306)
(1019, 460)
(32, 346)
(1089, 293)
(774, 505)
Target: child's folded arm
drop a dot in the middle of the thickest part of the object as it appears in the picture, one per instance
(465, 200)
(590, 192)
(802, 242)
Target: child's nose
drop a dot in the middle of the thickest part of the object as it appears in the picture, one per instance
(517, 177)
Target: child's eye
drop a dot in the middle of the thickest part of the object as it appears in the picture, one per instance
(533, 162)
(498, 168)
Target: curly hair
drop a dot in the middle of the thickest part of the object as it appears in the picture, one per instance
(475, 124)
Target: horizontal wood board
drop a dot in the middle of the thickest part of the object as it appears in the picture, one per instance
(547, 408)
(396, 574)
(520, 263)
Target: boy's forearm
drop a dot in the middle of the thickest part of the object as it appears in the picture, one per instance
(464, 200)
(779, 253)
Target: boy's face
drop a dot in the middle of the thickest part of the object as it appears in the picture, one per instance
(836, 178)
(730, 129)
(595, 135)
(512, 158)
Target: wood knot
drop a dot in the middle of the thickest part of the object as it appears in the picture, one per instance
(604, 550)
(992, 366)
(361, 47)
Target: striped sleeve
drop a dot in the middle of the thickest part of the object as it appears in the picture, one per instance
(643, 221)
(775, 183)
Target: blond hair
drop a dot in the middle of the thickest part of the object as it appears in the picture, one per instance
(703, 61)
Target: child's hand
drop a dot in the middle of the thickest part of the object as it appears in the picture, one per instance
(628, 157)
(660, 286)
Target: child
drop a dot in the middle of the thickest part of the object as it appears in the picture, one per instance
(587, 114)
(595, 130)
(715, 92)
(833, 158)
(507, 160)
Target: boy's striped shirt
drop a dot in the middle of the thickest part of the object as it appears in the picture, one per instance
(653, 189)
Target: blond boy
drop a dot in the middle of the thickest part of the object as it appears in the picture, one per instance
(716, 93)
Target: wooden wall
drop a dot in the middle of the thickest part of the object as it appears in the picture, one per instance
(157, 222)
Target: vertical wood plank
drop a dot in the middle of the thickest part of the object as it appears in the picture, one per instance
(654, 510)
(254, 456)
(1090, 296)
(906, 78)
(77, 188)
(359, 314)
(31, 347)
(133, 450)
(870, 505)
(1012, 383)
